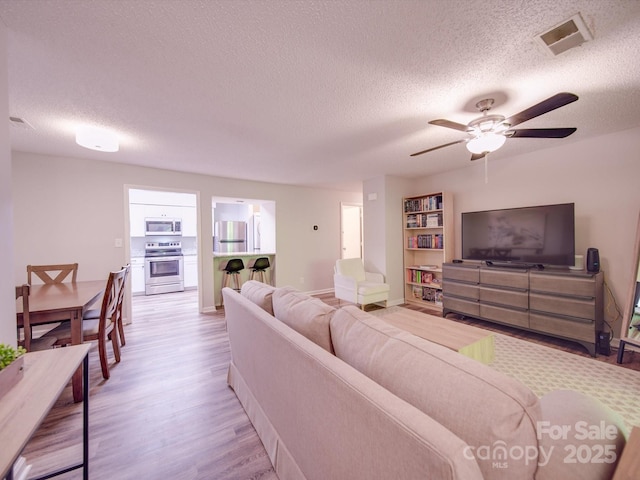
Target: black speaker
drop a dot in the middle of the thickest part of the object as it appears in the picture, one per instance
(593, 260)
(604, 343)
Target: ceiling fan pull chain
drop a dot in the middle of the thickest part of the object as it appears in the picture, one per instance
(486, 168)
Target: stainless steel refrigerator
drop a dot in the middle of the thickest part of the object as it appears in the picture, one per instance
(230, 237)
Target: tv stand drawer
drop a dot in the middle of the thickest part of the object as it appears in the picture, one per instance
(504, 278)
(469, 274)
(460, 305)
(577, 286)
(461, 289)
(572, 307)
(518, 318)
(563, 327)
(509, 298)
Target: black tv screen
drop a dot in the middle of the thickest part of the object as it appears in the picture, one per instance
(542, 235)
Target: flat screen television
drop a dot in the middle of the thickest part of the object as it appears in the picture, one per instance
(534, 236)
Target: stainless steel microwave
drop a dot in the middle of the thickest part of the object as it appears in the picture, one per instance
(163, 226)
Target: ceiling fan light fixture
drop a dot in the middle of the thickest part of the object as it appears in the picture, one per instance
(489, 132)
(95, 138)
(486, 143)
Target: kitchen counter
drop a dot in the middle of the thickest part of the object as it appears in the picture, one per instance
(220, 259)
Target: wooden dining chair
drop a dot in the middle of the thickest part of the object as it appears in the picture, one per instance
(120, 322)
(27, 341)
(103, 328)
(95, 312)
(45, 272)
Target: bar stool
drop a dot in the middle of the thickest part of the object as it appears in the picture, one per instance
(232, 271)
(259, 270)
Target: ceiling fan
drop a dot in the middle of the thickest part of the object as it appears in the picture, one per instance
(489, 132)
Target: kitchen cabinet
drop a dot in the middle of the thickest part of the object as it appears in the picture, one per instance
(136, 220)
(137, 276)
(189, 222)
(190, 271)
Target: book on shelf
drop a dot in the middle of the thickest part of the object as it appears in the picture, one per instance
(418, 276)
(434, 220)
(430, 294)
(426, 240)
(438, 297)
(429, 220)
(423, 204)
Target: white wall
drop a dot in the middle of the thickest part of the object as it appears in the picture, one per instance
(600, 175)
(382, 231)
(72, 210)
(7, 286)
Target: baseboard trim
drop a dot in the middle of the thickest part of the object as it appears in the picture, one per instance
(319, 292)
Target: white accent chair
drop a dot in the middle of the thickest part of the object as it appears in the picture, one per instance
(353, 284)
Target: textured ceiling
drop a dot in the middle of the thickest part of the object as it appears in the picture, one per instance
(324, 93)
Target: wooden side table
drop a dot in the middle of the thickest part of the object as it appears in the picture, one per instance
(26, 405)
(467, 340)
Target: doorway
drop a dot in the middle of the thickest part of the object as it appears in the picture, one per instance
(350, 230)
(150, 209)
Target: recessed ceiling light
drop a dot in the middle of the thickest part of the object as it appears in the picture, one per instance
(96, 138)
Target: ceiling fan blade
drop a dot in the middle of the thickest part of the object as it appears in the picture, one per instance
(436, 148)
(477, 156)
(551, 103)
(541, 132)
(449, 124)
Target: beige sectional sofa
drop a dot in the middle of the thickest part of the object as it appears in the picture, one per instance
(340, 394)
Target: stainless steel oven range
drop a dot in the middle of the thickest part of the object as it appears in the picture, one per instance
(163, 267)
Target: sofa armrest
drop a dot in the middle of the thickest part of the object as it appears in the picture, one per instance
(374, 277)
(579, 437)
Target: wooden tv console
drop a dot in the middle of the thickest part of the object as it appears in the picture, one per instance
(558, 302)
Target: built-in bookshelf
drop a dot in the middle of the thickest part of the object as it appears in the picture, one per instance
(428, 243)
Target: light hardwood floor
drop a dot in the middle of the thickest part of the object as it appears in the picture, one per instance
(167, 412)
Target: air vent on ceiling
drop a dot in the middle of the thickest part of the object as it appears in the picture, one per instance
(20, 123)
(564, 36)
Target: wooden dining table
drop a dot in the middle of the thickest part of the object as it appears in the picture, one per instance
(51, 303)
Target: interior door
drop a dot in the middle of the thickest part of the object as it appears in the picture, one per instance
(351, 231)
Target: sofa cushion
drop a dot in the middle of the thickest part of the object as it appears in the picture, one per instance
(485, 408)
(259, 293)
(307, 315)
